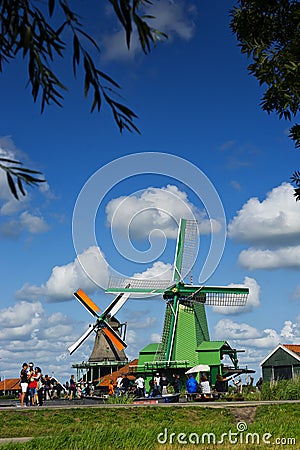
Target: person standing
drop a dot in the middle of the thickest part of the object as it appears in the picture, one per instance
(47, 388)
(157, 386)
(72, 387)
(111, 390)
(140, 384)
(32, 388)
(32, 384)
(176, 383)
(164, 384)
(40, 385)
(125, 384)
(23, 383)
(119, 385)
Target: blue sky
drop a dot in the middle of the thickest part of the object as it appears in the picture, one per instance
(195, 101)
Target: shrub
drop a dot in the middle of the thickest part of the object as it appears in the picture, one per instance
(281, 390)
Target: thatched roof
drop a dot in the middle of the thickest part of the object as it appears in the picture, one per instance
(10, 384)
(104, 381)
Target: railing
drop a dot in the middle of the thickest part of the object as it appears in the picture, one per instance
(156, 365)
(100, 363)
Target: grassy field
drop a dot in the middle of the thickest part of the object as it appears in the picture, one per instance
(154, 428)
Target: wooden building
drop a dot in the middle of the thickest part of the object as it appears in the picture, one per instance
(283, 363)
(10, 386)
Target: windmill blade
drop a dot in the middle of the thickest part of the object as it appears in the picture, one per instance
(116, 304)
(88, 303)
(186, 249)
(149, 286)
(220, 296)
(112, 336)
(85, 335)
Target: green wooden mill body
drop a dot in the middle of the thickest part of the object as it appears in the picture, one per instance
(185, 324)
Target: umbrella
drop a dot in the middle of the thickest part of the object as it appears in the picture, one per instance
(199, 368)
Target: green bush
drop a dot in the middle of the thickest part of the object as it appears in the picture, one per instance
(281, 390)
(121, 399)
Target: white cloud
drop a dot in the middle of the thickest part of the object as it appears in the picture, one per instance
(21, 219)
(154, 209)
(66, 279)
(131, 337)
(19, 321)
(253, 300)
(273, 221)
(34, 224)
(227, 329)
(243, 334)
(141, 321)
(9, 205)
(175, 18)
(290, 331)
(159, 270)
(288, 258)
(155, 337)
(28, 333)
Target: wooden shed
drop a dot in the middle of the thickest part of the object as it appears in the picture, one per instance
(283, 363)
(10, 386)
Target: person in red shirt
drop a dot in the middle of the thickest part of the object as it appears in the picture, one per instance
(32, 384)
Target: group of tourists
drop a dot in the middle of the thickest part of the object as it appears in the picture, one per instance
(36, 387)
(192, 385)
(78, 389)
(158, 385)
(32, 384)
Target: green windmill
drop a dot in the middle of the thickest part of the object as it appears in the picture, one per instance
(185, 324)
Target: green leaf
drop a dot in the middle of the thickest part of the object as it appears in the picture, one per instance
(11, 185)
(51, 4)
(10, 161)
(21, 186)
(76, 53)
(108, 78)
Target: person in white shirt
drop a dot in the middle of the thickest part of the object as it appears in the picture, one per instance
(157, 386)
(119, 386)
(204, 385)
(140, 384)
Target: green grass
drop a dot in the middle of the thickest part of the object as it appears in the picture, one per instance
(281, 390)
(137, 428)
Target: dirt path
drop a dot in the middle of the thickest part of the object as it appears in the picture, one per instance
(244, 414)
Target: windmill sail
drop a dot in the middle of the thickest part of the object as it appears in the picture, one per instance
(137, 285)
(186, 249)
(102, 320)
(79, 341)
(87, 302)
(113, 336)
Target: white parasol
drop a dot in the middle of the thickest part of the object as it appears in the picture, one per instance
(198, 368)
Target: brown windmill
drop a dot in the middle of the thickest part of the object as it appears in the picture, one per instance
(104, 349)
(108, 351)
